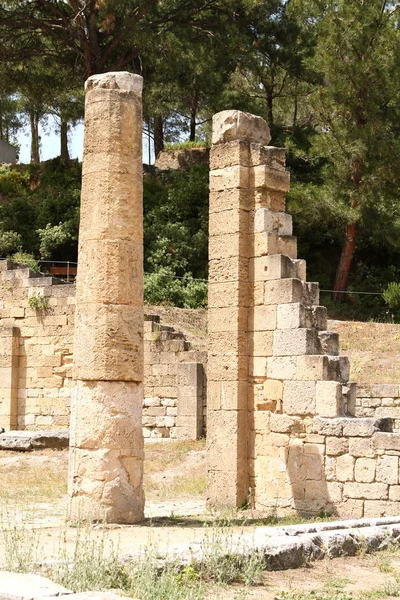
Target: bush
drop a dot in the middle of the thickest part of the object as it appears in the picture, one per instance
(163, 287)
(25, 259)
(10, 242)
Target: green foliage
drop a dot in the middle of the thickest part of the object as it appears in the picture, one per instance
(163, 287)
(186, 144)
(176, 237)
(391, 295)
(51, 237)
(10, 242)
(41, 205)
(39, 303)
(26, 259)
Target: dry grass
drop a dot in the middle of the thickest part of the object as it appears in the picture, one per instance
(37, 477)
(373, 349)
(174, 469)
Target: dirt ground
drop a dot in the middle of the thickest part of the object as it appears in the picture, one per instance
(33, 495)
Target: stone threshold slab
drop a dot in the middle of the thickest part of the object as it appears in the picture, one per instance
(26, 441)
(293, 546)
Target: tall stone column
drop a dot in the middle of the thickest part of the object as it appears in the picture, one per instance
(106, 448)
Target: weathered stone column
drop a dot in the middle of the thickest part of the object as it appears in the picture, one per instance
(106, 454)
(236, 137)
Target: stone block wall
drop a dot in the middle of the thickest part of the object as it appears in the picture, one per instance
(379, 400)
(36, 353)
(283, 433)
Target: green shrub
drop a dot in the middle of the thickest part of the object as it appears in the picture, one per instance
(163, 287)
(26, 259)
(10, 242)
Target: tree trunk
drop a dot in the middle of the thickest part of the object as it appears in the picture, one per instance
(193, 114)
(64, 139)
(342, 272)
(34, 122)
(346, 257)
(158, 135)
(270, 112)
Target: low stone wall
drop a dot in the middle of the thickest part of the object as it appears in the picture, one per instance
(36, 354)
(379, 400)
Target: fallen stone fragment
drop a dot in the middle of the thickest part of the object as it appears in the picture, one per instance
(34, 440)
(22, 586)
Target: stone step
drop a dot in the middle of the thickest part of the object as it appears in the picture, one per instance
(329, 342)
(297, 315)
(288, 290)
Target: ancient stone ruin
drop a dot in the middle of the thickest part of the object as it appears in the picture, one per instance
(281, 430)
(106, 446)
(286, 431)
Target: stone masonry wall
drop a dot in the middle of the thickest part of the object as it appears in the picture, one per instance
(283, 434)
(36, 350)
(379, 400)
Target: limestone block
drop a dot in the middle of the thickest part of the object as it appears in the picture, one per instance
(279, 266)
(262, 318)
(267, 155)
(312, 464)
(228, 222)
(292, 316)
(301, 268)
(283, 291)
(339, 369)
(312, 368)
(375, 508)
(387, 469)
(394, 493)
(329, 399)
(345, 469)
(236, 177)
(267, 198)
(222, 343)
(294, 342)
(229, 154)
(299, 397)
(386, 441)
(359, 427)
(227, 319)
(350, 398)
(259, 422)
(365, 470)
(227, 368)
(287, 244)
(234, 198)
(257, 366)
(273, 389)
(228, 269)
(261, 343)
(274, 179)
(329, 342)
(109, 211)
(285, 424)
(362, 447)
(281, 367)
(269, 221)
(227, 395)
(228, 246)
(107, 414)
(318, 317)
(231, 125)
(108, 342)
(336, 446)
(262, 244)
(368, 491)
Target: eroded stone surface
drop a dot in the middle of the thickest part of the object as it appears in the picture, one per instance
(106, 458)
